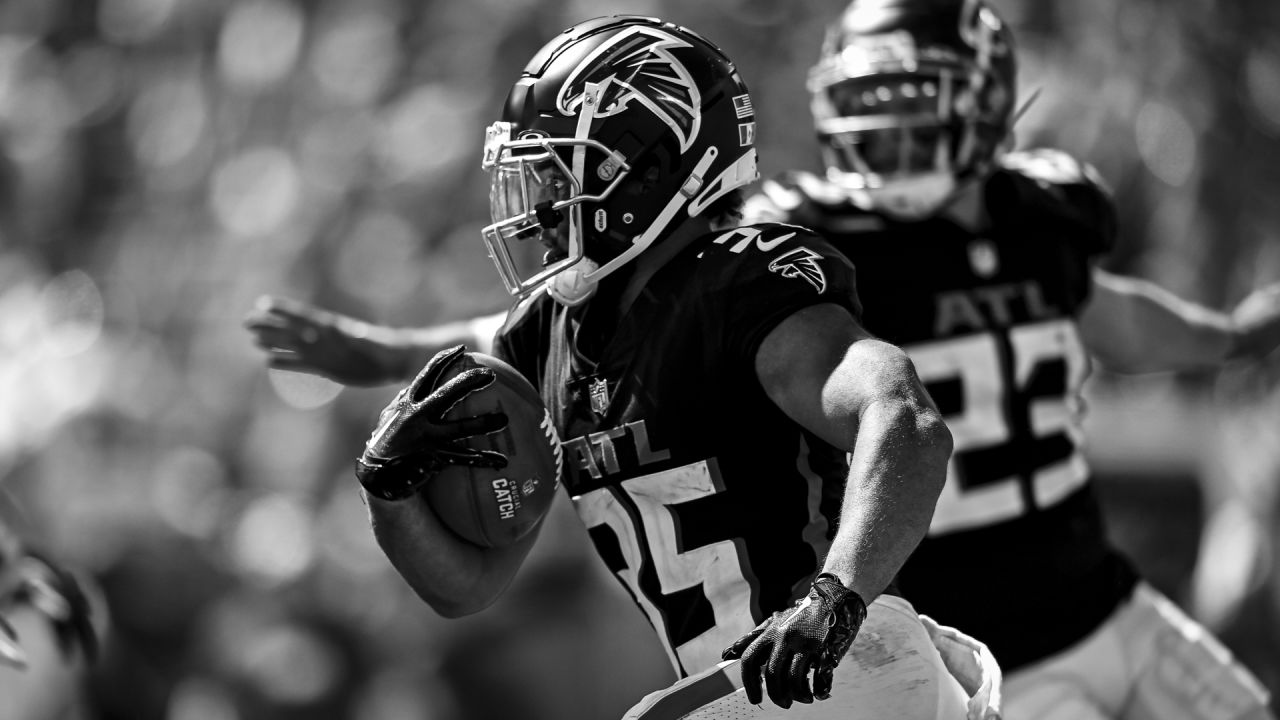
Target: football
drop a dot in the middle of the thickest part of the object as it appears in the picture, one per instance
(489, 507)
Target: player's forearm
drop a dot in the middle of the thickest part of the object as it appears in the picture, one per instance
(896, 472)
(454, 577)
(1134, 326)
(1177, 336)
(414, 346)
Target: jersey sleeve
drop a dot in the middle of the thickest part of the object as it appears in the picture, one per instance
(1072, 188)
(769, 272)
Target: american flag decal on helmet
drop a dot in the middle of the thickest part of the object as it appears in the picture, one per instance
(801, 263)
(638, 66)
(742, 106)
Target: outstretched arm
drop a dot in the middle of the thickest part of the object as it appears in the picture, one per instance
(304, 338)
(1133, 326)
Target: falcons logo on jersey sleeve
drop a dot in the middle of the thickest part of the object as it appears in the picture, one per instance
(801, 263)
(638, 66)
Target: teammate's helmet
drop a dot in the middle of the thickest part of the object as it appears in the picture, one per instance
(618, 130)
(912, 97)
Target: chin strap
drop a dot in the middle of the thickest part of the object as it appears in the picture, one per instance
(576, 284)
(688, 190)
(571, 286)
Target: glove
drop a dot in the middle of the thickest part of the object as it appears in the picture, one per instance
(413, 440)
(55, 593)
(813, 635)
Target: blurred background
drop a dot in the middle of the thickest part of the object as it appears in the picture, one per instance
(165, 162)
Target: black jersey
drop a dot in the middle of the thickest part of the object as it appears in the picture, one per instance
(710, 505)
(1016, 554)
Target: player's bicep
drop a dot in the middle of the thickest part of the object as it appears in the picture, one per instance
(822, 369)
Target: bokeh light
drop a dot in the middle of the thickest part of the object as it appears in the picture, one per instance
(260, 43)
(272, 541)
(1167, 143)
(254, 193)
(168, 120)
(1262, 85)
(355, 55)
(130, 22)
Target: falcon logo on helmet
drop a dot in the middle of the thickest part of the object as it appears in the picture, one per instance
(637, 66)
(645, 124)
(801, 263)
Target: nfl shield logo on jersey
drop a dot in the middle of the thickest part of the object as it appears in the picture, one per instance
(983, 258)
(599, 395)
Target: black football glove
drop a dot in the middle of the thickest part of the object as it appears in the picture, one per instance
(413, 439)
(813, 635)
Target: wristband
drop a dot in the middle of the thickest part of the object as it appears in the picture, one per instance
(847, 605)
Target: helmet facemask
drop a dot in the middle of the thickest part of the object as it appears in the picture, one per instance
(901, 127)
(536, 193)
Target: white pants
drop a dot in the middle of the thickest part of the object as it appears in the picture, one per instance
(894, 671)
(1148, 661)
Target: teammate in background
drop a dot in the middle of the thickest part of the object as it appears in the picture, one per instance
(708, 381)
(980, 265)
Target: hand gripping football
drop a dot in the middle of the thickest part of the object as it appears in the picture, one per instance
(491, 507)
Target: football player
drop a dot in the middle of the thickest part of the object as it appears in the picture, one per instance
(748, 461)
(913, 103)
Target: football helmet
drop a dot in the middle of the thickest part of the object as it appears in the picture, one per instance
(617, 130)
(911, 98)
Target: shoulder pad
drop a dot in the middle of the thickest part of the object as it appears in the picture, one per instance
(1053, 167)
(781, 199)
(796, 188)
(765, 207)
(806, 199)
(524, 307)
(819, 190)
(1051, 182)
